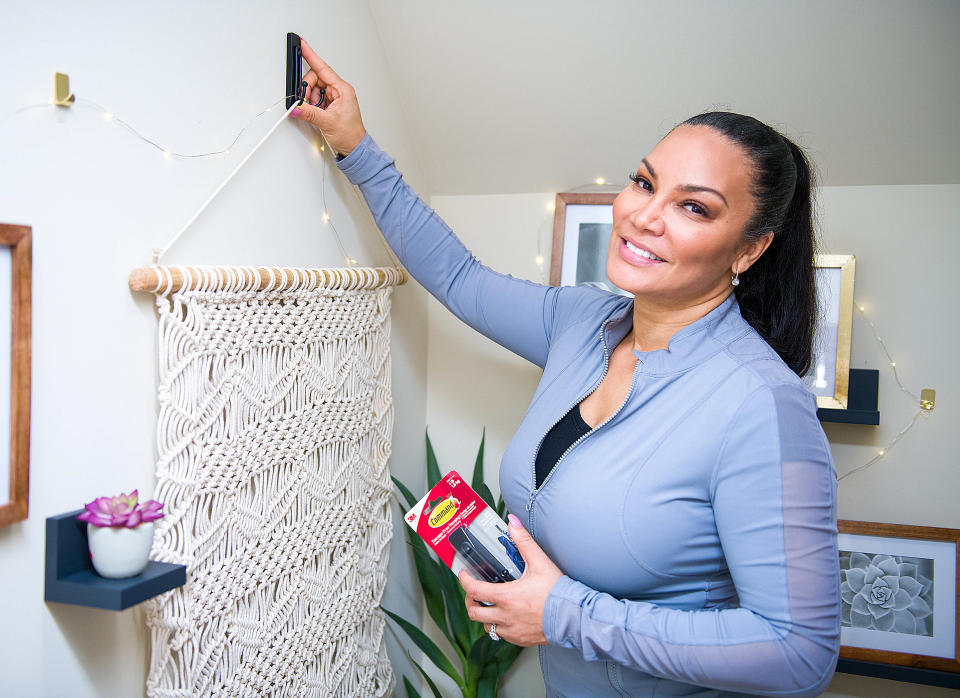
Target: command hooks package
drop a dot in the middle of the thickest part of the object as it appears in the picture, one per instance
(465, 531)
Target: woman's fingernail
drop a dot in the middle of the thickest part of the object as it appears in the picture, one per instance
(296, 112)
(514, 521)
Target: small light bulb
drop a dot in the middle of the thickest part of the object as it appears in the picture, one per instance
(539, 260)
(893, 363)
(108, 116)
(881, 452)
(227, 151)
(167, 154)
(861, 308)
(321, 148)
(600, 180)
(326, 216)
(269, 108)
(50, 101)
(551, 206)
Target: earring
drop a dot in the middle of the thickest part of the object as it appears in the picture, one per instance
(736, 278)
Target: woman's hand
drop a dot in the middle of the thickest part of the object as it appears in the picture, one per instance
(518, 606)
(338, 117)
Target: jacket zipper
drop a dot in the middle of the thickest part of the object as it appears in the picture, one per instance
(606, 365)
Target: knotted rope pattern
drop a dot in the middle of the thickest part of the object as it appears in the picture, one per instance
(273, 438)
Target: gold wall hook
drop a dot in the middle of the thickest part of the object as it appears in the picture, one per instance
(62, 96)
(928, 398)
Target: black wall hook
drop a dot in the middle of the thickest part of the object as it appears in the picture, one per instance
(294, 83)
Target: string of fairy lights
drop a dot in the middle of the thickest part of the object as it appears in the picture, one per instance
(924, 402)
(112, 117)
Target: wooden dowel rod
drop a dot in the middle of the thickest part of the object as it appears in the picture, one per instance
(176, 278)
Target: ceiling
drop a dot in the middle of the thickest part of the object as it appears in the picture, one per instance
(529, 95)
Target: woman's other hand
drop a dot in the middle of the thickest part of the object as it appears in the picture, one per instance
(517, 606)
(338, 117)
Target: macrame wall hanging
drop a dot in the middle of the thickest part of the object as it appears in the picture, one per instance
(273, 438)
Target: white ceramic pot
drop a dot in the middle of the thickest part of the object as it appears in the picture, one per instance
(119, 552)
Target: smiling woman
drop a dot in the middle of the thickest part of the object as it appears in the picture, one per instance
(671, 490)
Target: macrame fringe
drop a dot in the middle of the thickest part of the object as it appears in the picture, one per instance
(273, 438)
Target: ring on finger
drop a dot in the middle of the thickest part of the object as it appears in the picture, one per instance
(493, 632)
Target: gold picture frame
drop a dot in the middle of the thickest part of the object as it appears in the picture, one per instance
(829, 373)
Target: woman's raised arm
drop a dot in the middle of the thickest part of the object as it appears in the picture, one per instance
(515, 313)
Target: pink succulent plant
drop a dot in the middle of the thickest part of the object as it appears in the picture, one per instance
(121, 511)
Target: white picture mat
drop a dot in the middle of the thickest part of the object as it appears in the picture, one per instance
(822, 376)
(944, 556)
(575, 215)
(6, 295)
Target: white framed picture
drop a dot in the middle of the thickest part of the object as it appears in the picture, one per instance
(582, 226)
(898, 588)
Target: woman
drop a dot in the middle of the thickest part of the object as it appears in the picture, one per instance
(676, 491)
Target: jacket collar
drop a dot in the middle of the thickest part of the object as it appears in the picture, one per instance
(689, 346)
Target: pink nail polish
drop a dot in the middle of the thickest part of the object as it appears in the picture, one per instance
(514, 521)
(296, 112)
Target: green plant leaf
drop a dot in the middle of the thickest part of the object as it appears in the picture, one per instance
(460, 622)
(433, 582)
(505, 656)
(481, 650)
(426, 677)
(411, 691)
(487, 685)
(478, 465)
(428, 647)
(428, 570)
(433, 469)
(501, 507)
(429, 573)
(487, 495)
(407, 494)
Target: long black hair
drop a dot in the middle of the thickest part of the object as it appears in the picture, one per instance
(777, 294)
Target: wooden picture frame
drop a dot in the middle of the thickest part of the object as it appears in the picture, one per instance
(928, 555)
(829, 374)
(575, 215)
(14, 501)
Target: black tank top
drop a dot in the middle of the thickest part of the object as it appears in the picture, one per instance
(557, 441)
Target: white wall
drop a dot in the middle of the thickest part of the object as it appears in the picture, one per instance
(188, 75)
(906, 245)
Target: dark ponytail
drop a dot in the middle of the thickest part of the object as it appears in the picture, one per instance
(777, 295)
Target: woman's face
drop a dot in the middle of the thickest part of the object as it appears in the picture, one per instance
(678, 230)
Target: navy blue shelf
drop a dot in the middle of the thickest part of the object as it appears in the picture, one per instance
(70, 578)
(894, 672)
(862, 400)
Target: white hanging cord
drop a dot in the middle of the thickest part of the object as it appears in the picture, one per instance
(158, 253)
(111, 116)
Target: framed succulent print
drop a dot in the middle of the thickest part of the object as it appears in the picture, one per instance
(898, 588)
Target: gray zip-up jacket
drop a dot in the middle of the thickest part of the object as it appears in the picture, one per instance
(696, 527)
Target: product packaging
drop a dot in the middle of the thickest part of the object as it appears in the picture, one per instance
(465, 532)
